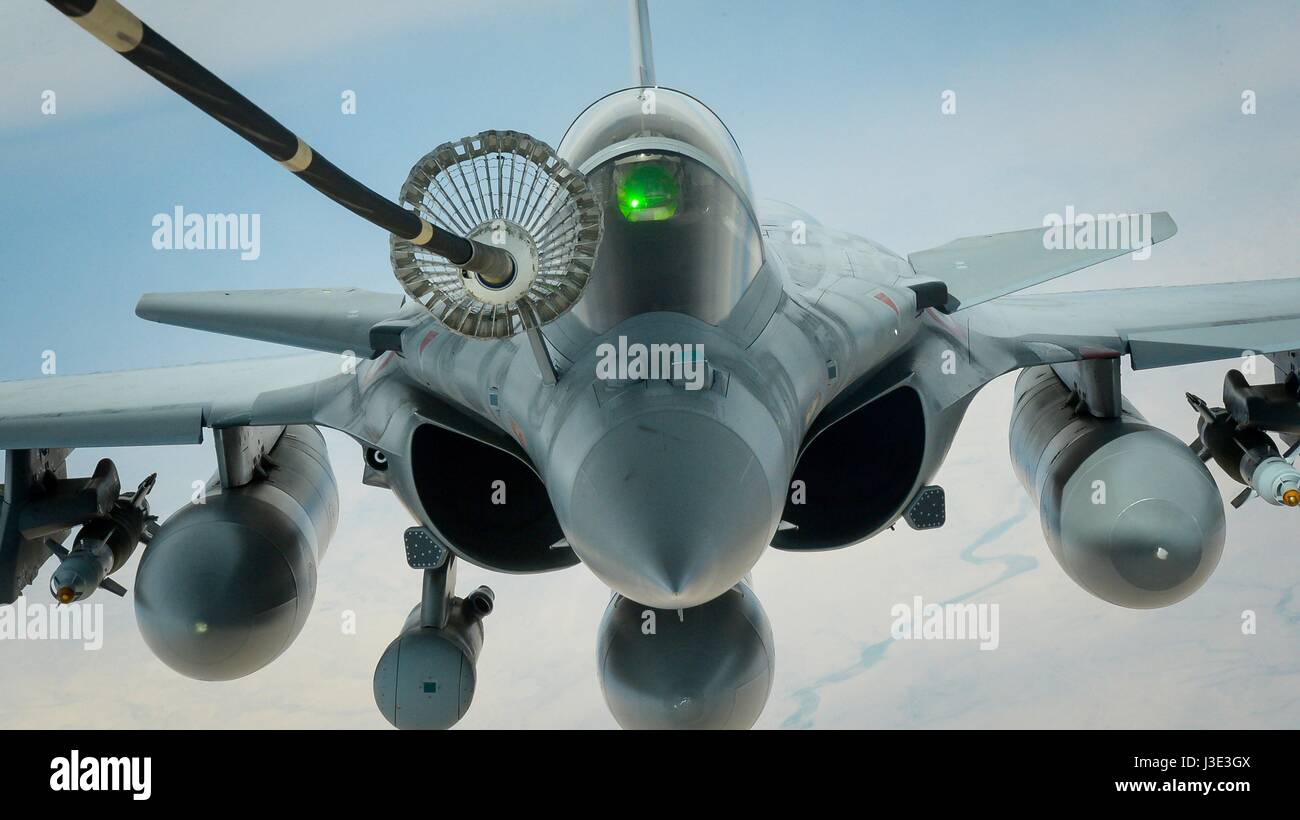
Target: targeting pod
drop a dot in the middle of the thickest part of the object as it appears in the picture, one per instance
(426, 677)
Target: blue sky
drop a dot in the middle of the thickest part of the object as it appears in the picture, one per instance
(1107, 107)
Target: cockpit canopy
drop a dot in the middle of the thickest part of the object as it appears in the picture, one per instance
(653, 114)
(679, 227)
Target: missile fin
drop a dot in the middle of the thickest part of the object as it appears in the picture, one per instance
(109, 585)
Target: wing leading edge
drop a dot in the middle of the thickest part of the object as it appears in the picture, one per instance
(168, 405)
(334, 320)
(1155, 326)
(978, 269)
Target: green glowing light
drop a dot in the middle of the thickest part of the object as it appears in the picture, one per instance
(647, 192)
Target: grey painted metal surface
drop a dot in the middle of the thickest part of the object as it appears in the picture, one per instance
(426, 677)
(980, 268)
(710, 667)
(334, 320)
(1129, 512)
(227, 584)
(241, 452)
(642, 50)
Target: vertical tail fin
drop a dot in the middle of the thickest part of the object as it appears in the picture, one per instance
(643, 56)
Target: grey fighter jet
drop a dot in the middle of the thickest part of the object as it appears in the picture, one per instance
(668, 374)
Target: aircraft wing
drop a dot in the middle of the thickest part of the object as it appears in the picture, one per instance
(1155, 327)
(978, 269)
(169, 405)
(333, 320)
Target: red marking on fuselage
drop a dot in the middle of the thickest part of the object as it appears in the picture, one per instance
(882, 297)
(373, 369)
(947, 324)
(428, 337)
(1099, 353)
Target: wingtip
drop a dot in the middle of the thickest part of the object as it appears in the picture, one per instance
(146, 307)
(1166, 224)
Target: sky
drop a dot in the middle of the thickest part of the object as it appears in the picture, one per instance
(1106, 107)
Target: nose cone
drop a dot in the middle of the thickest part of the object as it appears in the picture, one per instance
(670, 509)
(73, 579)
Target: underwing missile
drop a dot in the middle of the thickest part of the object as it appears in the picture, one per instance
(1275, 480)
(1248, 455)
(102, 547)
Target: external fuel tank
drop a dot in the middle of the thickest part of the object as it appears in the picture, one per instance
(227, 584)
(1130, 513)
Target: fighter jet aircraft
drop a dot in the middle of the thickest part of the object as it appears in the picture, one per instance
(667, 374)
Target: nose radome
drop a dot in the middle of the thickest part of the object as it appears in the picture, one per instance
(670, 509)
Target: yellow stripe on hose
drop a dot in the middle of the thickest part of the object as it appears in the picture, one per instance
(112, 25)
(426, 233)
(300, 159)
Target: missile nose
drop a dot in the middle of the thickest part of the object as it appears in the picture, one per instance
(67, 584)
(670, 508)
(1291, 498)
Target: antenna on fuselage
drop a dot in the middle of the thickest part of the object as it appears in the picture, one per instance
(643, 55)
